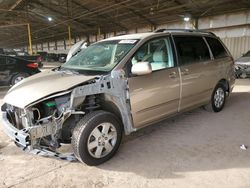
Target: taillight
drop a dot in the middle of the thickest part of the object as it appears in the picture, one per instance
(32, 65)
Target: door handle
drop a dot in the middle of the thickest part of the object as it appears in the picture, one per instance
(185, 72)
(172, 75)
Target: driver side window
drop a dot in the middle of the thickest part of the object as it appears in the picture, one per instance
(157, 52)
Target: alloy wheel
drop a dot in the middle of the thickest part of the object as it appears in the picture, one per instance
(102, 140)
(219, 97)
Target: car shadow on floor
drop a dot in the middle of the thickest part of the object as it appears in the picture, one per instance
(190, 142)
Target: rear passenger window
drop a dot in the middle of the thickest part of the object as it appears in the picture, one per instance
(216, 47)
(191, 49)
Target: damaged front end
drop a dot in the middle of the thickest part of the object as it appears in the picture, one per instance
(43, 125)
(39, 126)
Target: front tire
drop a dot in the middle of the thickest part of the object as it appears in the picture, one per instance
(96, 137)
(218, 99)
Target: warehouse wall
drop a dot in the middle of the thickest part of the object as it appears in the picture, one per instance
(237, 45)
(232, 28)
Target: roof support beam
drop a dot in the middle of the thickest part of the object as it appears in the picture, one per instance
(16, 4)
(60, 14)
(100, 16)
(139, 14)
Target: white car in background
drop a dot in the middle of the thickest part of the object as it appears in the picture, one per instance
(242, 66)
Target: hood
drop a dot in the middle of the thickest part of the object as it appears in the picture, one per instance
(42, 85)
(243, 60)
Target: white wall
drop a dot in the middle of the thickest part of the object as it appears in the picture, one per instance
(232, 28)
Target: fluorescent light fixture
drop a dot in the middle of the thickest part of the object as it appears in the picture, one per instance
(50, 19)
(186, 19)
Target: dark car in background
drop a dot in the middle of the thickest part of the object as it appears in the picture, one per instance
(62, 58)
(52, 57)
(14, 69)
(33, 58)
(22, 55)
(43, 55)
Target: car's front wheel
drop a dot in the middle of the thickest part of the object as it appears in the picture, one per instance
(218, 99)
(96, 137)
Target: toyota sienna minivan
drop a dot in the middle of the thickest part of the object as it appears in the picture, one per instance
(117, 86)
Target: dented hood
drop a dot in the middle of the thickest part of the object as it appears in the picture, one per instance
(42, 85)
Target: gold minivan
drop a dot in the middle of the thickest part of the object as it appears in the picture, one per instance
(115, 86)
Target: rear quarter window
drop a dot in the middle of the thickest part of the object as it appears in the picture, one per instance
(217, 48)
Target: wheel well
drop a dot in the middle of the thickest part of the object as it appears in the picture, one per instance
(225, 84)
(111, 107)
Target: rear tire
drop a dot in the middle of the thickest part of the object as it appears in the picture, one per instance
(218, 99)
(18, 77)
(96, 137)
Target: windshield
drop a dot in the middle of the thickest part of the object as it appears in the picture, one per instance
(102, 56)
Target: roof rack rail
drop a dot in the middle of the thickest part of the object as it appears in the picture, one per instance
(184, 30)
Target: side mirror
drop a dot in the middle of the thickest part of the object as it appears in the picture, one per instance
(141, 68)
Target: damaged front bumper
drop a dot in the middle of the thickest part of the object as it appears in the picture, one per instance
(23, 138)
(26, 137)
(41, 126)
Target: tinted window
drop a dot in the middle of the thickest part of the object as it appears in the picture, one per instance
(2, 60)
(157, 52)
(216, 47)
(191, 49)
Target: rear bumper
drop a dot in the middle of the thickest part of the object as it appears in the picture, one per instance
(19, 136)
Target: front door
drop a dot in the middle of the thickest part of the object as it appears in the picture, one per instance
(156, 95)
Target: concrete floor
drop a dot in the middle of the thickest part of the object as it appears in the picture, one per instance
(194, 149)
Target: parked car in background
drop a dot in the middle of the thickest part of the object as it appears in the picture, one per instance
(43, 55)
(14, 69)
(62, 58)
(33, 58)
(9, 52)
(23, 55)
(52, 57)
(117, 85)
(242, 66)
